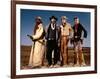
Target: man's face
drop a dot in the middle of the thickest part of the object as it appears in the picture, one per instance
(76, 21)
(53, 20)
(37, 20)
(63, 21)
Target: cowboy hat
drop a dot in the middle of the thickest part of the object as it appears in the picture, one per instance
(53, 17)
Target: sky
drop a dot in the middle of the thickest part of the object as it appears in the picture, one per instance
(28, 22)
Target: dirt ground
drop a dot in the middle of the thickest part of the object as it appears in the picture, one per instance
(25, 53)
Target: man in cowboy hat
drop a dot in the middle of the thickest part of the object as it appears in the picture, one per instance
(52, 36)
(79, 34)
(65, 34)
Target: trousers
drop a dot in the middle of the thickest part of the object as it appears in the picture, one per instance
(78, 57)
(64, 49)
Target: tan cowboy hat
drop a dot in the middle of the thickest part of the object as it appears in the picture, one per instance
(64, 17)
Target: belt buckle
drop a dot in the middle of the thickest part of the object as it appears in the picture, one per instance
(76, 36)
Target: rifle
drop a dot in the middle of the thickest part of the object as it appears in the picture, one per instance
(36, 39)
(30, 37)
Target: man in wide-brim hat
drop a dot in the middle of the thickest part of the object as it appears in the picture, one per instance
(52, 36)
(65, 34)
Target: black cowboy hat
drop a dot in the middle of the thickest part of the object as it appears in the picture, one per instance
(53, 17)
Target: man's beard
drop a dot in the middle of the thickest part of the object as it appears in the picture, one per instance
(38, 23)
(63, 24)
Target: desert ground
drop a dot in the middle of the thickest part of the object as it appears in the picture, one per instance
(25, 54)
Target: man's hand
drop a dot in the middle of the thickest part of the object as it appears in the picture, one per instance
(30, 37)
(82, 41)
(71, 41)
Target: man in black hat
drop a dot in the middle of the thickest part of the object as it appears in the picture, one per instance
(52, 37)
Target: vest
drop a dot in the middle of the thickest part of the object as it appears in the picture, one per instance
(51, 33)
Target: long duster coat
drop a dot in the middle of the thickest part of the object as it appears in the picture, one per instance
(37, 50)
